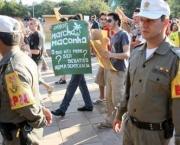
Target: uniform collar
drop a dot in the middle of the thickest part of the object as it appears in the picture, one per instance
(9, 54)
(162, 49)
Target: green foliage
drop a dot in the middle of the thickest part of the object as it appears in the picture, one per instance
(66, 7)
(175, 8)
(129, 6)
(85, 7)
(12, 9)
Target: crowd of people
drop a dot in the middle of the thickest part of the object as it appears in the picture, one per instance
(142, 94)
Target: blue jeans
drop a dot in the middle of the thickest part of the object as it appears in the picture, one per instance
(76, 80)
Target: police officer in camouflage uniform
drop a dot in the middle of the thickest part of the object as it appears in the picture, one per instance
(22, 115)
(153, 100)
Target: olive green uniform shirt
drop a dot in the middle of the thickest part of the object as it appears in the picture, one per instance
(27, 72)
(149, 85)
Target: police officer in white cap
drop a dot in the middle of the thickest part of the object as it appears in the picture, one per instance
(22, 115)
(152, 98)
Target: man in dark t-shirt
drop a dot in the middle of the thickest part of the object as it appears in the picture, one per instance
(118, 54)
(36, 43)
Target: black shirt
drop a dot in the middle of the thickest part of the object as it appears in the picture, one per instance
(36, 42)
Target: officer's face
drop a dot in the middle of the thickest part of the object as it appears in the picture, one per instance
(152, 28)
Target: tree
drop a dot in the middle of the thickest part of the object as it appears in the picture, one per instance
(89, 7)
(129, 6)
(13, 9)
(175, 8)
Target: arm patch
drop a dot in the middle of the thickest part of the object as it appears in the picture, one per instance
(175, 85)
(20, 94)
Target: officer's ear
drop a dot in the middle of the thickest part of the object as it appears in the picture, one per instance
(166, 22)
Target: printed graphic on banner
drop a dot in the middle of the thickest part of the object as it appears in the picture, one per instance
(70, 48)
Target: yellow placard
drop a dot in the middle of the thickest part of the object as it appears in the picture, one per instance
(56, 11)
(20, 94)
(99, 46)
(104, 62)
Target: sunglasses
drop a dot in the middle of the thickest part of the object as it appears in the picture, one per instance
(109, 20)
(103, 19)
(92, 17)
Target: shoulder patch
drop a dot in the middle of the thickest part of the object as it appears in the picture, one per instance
(175, 85)
(176, 50)
(20, 94)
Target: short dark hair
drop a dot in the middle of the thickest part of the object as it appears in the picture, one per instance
(10, 39)
(103, 13)
(79, 15)
(93, 15)
(115, 17)
(27, 19)
(63, 19)
(137, 10)
(73, 17)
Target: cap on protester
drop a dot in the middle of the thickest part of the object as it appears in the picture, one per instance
(153, 9)
(9, 25)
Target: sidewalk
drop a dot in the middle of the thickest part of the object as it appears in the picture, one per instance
(76, 128)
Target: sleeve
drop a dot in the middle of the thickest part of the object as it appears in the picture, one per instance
(175, 93)
(25, 96)
(33, 113)
(130, 22)
(125, 39)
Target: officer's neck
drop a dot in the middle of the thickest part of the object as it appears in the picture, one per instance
(6, 49)
(155, 42)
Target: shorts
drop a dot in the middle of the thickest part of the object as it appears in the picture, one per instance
(101, 76)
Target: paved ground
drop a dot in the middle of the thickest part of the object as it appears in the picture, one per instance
(76, 128)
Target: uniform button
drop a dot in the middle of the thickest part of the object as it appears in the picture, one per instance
(136, 96)
(144, 65)
(140, 81)
(134, 110)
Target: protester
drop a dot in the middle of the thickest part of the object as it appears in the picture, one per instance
(174, 35)
(22, 116)
(152, 98)
(76, 80)
(118, 54)
(62, 80)
(36, 42)
(135, 33)
(101, 74)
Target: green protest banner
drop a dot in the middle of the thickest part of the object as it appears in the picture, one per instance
(114, 4)
(70, 48)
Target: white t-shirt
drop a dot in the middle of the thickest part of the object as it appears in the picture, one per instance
(149, 52)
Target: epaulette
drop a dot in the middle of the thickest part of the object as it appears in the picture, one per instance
(176, 50)
(9, 67)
